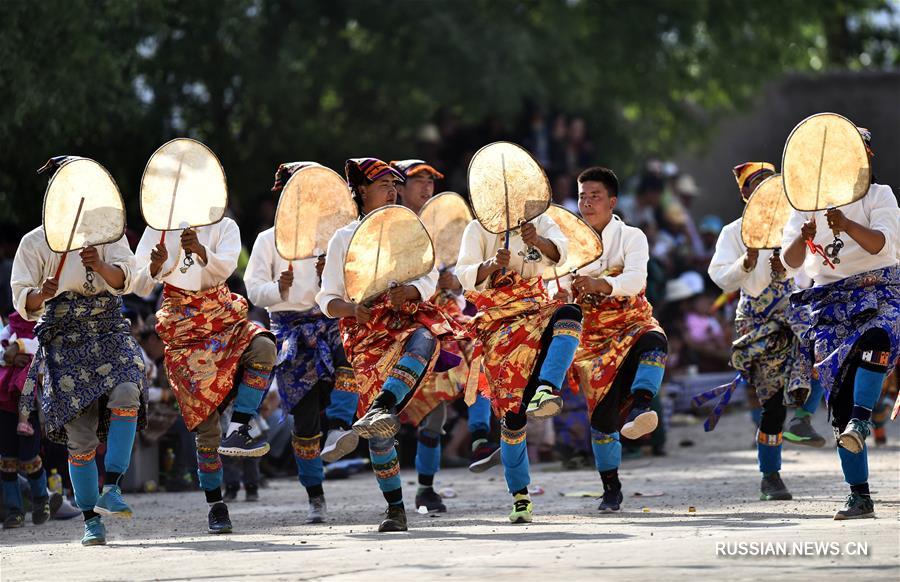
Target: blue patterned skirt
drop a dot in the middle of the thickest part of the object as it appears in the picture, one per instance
(86, 350)
(306, 341)
(767, 351)
(843, 311)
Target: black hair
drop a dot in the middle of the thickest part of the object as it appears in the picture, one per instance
(603, 175)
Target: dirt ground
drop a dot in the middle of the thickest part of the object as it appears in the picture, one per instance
(656, 536)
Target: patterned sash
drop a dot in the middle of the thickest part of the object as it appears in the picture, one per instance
(86, 351)
(512, 316)
(841, 312)
(374, 348)
(205, 333)
(611, 326)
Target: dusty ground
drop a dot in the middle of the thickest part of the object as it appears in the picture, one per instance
(653, 537)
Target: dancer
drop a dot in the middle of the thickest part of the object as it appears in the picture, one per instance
(622, 357)
(526, 341)
(88, 371)
(391, 343)
(855, 307)
(311, 358)
(767, 350)
(212, 351)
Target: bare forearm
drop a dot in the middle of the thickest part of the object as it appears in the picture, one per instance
(795, 254)
(113, 275)
(341, 308)
(485, 270)
(34, 300)
(869, 239)
(548, 249)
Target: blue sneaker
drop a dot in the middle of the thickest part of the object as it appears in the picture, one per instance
(94, 532)
(112, 503)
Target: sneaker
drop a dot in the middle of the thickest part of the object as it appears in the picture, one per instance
(240, 444)
(485, 455)
(338, 444)
(544, 403)
(856, 507)
(394, 520)
(429, 498)
(772, 488)
(378, 422)
(231, 493)
(318, 510)
(24, 428)
(40, 511)
(112, 503)
(854, 436)
(94, 532)
(523, 509)
(801, 432)
(219, 522)
(14, 519)
(612, 500)
(641, 421)
(251, 493)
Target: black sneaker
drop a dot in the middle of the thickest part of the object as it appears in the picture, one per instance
(14, 519)
(431, 500)
(801, 432)
(612, 500)
(240, 444)
(641, 421)
(484, 456)
(231, 493)
(251, 493)
(856, 507)
(219, 522)
(394, 520)
(772, 488)
(40, 513)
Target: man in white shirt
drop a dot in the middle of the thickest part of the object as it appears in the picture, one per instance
(311, 359)
(391, 342)
(526, 341)
(855, 308)
(87, 375)
(622, 356)
(212, 351)
(767, 350)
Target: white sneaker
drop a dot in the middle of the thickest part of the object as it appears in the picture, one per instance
(338, 444)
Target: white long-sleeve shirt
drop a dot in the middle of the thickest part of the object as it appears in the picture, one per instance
(35, 263)
(265, 268)
(625, 250)
(222, 241)
(333, 275)
(726, 268)
(479, 245)
(877, 210)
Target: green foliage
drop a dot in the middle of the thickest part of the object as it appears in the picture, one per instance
(266, 81)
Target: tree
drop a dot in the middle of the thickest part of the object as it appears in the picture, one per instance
(267, 81)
